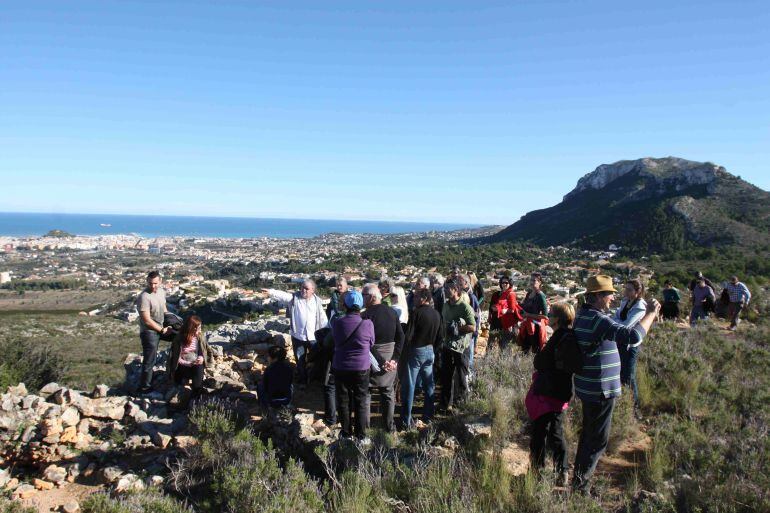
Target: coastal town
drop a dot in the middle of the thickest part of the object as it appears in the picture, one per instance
(226, 275)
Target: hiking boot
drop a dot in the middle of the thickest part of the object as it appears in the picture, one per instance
(563, 479)
(144, 390)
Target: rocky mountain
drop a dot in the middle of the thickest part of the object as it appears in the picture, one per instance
(652, 204)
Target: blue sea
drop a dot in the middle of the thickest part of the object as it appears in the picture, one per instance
(28, 224)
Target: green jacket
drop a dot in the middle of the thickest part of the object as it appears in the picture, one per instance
(462, 313)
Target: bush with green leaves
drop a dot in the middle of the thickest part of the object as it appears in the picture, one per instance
(233, 470)
(710, 397)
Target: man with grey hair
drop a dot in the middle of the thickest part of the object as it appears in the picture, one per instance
(388, 343)
(306, 315)
(439, 296)
(423, 282)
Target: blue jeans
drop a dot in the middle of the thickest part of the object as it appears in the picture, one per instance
(471, 350)
(150, 341)
(628, 356)
(301, 348)
(697, 314)
(419, 365)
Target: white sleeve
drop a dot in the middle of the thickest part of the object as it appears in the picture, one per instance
(280, 296)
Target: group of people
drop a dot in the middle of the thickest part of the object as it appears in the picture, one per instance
(733, 299)
(382, 341)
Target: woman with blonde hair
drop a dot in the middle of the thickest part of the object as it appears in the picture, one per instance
(398, 303)
(549, 395)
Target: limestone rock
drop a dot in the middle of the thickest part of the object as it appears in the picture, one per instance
(49, 389)
(42, 485)
(104, 408)
(55, 474)
(128, 483)
(71, 507)
(19, 390)
(24, 491)
(70, 417)
(5, 476)
(100, 391)
(109, 475)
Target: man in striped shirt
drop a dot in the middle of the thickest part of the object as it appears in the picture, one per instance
(598, 383)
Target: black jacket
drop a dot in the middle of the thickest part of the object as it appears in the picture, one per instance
(551, 382)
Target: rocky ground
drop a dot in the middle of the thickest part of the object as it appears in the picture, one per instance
(59, 445)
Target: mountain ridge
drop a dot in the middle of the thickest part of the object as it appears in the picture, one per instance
(653, 204)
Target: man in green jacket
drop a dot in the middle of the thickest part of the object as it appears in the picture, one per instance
(459, 323)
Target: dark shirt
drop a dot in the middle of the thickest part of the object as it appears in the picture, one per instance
(424, 327)
(535, 303)
(439, 297)
(387, 327)
(694, 283)
(277, 381)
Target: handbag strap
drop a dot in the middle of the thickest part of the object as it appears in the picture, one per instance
(352, 333)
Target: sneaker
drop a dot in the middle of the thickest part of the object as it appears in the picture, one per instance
(144, 390)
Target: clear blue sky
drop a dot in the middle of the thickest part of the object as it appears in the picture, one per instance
(439, 111)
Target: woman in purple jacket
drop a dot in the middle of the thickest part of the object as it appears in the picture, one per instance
(353, 340)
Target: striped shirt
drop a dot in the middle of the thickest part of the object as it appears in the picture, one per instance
(738, 292)
(599, 336)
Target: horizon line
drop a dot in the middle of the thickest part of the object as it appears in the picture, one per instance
(474, 225)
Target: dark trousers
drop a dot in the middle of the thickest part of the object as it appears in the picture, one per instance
(191, 372)
(628, 358)
(330, 397)
(150, 341)
(352, 395)
(548, 433)
(301, 348)
(597, 419)
(670, 310)
(387, 396)
(734, 313)
(454, 377)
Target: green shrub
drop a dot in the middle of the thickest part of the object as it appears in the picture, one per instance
(7, 506)
(148, 501)
(30, 363)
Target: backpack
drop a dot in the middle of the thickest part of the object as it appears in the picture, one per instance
(568, 357)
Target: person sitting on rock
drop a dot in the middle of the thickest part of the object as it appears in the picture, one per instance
(190, 353)
(276, 389)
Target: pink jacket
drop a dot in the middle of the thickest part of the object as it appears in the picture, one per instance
(538, 405)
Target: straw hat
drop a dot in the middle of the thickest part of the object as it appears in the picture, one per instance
(599, 283)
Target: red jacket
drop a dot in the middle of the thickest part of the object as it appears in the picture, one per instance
(507, 301)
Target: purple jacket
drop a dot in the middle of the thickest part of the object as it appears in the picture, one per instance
(352, 354)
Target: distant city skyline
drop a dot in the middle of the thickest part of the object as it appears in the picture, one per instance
(454, 112)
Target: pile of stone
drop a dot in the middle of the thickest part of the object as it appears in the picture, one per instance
(109, 435)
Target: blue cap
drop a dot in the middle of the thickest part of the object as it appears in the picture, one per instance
(354, 298)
